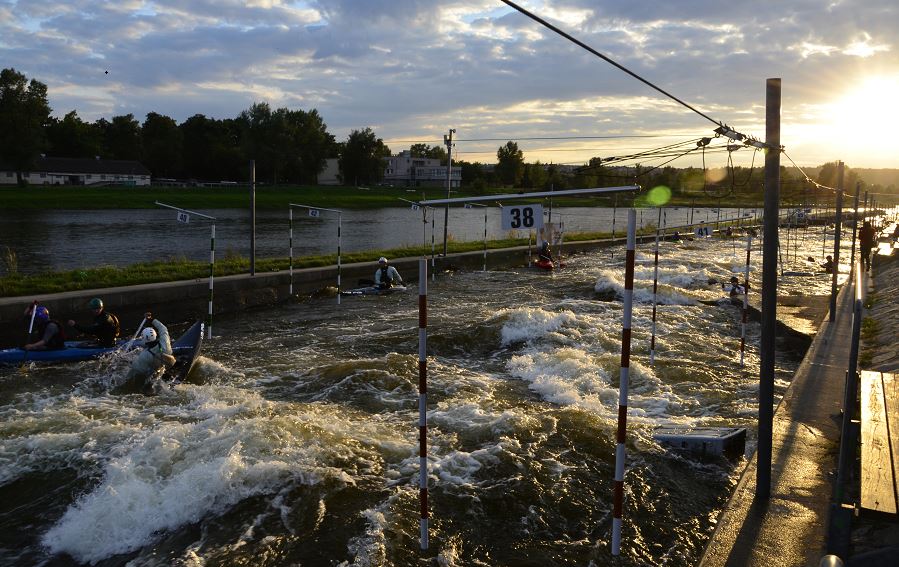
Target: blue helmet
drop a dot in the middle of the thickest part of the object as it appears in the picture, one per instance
(41, 313)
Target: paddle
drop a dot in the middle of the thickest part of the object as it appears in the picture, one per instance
(137, 332)
(30, 328)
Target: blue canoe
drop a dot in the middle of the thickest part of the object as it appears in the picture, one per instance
(186, 350)
(74, 351)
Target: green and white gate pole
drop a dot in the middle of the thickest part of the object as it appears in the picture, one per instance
(184, 217)
(469, 206)
(314, 212)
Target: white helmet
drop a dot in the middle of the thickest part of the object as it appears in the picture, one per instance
(148, 335)
(382, 260)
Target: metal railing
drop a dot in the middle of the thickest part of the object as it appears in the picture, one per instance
(840, 515)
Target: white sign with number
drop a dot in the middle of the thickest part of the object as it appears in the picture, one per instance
(522, 217)
(314, 213)
(183, 217)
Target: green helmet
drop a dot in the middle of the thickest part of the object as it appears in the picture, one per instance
(96, 303)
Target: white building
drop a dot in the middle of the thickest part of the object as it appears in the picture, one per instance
(403, 170)
(79, 171)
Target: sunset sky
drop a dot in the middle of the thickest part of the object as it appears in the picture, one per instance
(412, 69)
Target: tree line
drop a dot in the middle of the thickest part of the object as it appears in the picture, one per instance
(291, 146)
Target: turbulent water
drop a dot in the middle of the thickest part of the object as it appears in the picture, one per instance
(301, 445)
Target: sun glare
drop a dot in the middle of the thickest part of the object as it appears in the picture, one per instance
(868, 112)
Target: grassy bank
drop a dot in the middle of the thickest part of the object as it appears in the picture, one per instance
(177, 268)
(89, 198)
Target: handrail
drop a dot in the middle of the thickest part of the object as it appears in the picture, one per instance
(850, 399)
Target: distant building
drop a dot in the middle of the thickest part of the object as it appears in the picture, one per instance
(403, 170)
(330, 175)
(79, 171)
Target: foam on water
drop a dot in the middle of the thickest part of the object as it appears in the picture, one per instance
(174, 474)
(530, 323)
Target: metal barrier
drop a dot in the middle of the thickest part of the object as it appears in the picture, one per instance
(840, 514)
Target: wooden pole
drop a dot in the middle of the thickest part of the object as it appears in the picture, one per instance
(769, 289)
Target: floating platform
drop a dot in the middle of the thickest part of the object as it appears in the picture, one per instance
(704, 441)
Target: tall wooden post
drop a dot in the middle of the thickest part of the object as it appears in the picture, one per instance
(769, 289)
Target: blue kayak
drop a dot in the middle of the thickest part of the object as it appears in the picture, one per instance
(74, 351)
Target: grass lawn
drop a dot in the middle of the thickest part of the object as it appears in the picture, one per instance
(66, 197)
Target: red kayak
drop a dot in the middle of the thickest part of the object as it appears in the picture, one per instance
(547, 265)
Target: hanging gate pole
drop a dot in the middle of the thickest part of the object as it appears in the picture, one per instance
(618, 482)
(655, 290)
(290, 222)
(745, 303)
(423, 398)
(211, 272)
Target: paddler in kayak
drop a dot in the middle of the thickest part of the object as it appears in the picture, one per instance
(386, 276)
(105, 327)
(545, 254)
(157, 354)
(46, 333)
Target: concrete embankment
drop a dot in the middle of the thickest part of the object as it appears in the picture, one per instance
(182, 301)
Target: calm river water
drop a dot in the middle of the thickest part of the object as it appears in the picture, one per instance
(300, 447)
(67, 240)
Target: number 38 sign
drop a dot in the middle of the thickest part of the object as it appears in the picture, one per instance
(522, 217)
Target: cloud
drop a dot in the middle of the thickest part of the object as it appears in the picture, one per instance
(411, 69)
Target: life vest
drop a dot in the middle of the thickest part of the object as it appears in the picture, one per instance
(58, 340)
(386, 280)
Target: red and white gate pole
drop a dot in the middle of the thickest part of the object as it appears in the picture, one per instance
(423, 398)
(745, 302)
(655, 291)
(618, 482)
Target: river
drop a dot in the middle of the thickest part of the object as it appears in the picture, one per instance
(56, 240)
(301, 444)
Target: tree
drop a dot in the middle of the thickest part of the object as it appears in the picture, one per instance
(24, 112)
(162, 143)
(72, 137)
(121, 137)
(260, 139)
(510, 164)
(211, 149)
(362, 158)
(426, 151)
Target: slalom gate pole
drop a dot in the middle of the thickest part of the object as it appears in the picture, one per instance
(655, 291)
(529, 249)
(618, 482)
(433, 246)
(338, 258)
(211, 277)
(745, 302)
(423, 398)
(290, 221)
(485, 240)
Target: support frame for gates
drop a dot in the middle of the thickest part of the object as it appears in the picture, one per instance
(211, 259)
(310, 208)
(423, 368)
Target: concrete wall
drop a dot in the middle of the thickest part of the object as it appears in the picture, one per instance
(182, 301)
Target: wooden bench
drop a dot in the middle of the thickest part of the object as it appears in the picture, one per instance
(880, 442)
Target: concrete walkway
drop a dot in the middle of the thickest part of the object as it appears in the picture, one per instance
(790, 528)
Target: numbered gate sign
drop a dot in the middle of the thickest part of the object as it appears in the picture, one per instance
(184, 217)
(522, 217)
(314, 212)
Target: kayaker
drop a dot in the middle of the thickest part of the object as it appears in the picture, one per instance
(386, 276)
(735, 288)
(52, 336)
(157, 351)
(828, 265)
(545, 254)
(105, 326)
